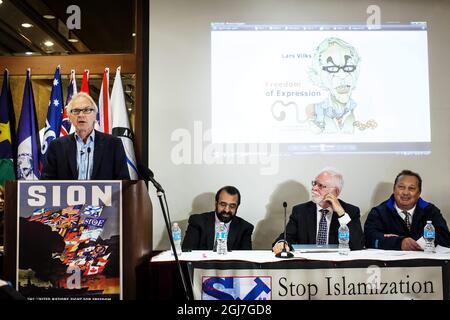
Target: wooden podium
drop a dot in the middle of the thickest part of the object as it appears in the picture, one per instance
(136, 237)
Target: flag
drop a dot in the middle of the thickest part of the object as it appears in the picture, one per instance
(85, 82)
(85, 88)
(121, 124)
(94, 270)
(102, 261)
(98, 223)
(28, 151)
(66, 126)
(72, 209)
(7, 133)
(93, 211)
(86, 250)
(91, 235)
(54, 114)
(104, 113)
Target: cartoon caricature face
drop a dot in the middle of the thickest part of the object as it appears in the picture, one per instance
(336, 69)
(25, 166)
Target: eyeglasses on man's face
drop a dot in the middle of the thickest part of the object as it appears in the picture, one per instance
(335, 69)
(84, 111)
(223, 205)
(319, 185)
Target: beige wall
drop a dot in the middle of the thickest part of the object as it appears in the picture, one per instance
(179, 95)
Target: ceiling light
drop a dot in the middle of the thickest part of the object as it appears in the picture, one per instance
(28, 53)
(72, 40)
(133, 34)
(26, 25)
(1, 1)
(48, 43)
(49, 16)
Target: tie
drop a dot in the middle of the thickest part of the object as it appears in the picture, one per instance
(322, 234)
(407, 219)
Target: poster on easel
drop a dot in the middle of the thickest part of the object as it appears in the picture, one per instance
(69, 240)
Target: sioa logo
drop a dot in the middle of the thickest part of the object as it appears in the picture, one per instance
(236, 288)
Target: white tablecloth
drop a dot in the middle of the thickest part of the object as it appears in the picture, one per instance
(263, 256)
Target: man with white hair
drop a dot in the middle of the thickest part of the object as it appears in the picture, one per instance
(317, 221)
(86, 154)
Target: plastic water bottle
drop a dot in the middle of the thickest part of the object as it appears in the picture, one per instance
(429, 236)
(221, 238)
(176, 236)
(344, 239)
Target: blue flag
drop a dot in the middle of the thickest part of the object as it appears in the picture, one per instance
(54, 114)
(66, 126)
(7, 133)
(28, 151)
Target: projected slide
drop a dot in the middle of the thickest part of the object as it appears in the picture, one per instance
(322, 88)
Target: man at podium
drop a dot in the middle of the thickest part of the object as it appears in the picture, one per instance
(86, 154)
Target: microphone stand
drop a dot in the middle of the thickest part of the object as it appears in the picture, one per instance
(160, 193)
(88, 156)
(284, 254)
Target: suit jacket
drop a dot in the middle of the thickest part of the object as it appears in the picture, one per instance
(201, 229)
(384, 219)
(109, 159)
(302, 226)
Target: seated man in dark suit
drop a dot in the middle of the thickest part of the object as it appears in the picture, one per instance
(86, 154)
(397, 223)
(202, 227)
(318, 221)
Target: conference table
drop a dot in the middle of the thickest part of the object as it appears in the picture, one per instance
(368, 274)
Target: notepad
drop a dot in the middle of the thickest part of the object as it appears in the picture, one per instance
(309, 248)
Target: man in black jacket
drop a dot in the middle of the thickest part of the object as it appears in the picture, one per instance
(86, 154)
(317, 221)
(200, 234)
(398, 223)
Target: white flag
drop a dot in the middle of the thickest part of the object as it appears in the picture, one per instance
(121, 124)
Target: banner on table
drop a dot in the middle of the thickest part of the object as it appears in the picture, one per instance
(372, 283)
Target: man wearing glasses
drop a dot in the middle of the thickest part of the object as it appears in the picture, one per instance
(317, 221)
(335, 69)
(86, 154)
(202, 227)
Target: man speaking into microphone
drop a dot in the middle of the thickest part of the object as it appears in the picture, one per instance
(86, 154)
(317, 221)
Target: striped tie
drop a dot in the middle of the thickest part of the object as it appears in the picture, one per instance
(407, 219)
(322, 234)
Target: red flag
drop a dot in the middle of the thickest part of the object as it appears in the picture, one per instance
(93, 270)
(85, 82)
(103, 105)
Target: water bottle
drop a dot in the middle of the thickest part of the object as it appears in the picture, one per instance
(429, 236)
(344, 238)
(221, 238)
(176, 236)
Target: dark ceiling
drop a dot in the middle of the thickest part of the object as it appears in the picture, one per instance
(107, 26)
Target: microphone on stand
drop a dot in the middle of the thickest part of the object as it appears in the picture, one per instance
(146, 174)
(284, 254)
